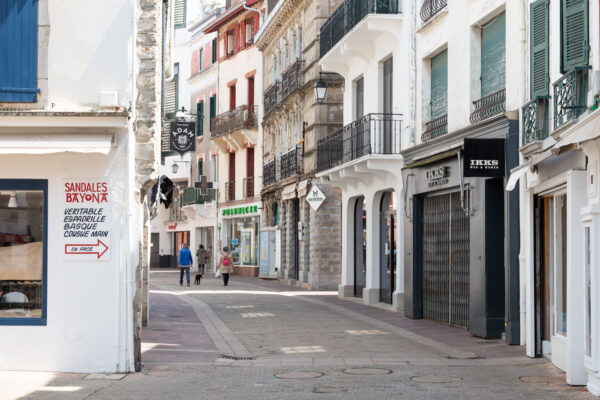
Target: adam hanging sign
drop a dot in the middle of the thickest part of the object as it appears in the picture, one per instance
(484, 158)
(85, 220)
(183, 137)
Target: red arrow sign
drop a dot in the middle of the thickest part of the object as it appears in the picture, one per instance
(99, 248)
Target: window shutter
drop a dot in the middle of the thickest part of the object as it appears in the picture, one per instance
(493, 56)
(18, 51)
(575, 50)
(195, 67)
(214, 50)
(171, 94)
(439, 85)
(213, 109)
(539, 63)
(256, 22)
(200, 115)
(236, 39)
(200, 167)
(243, 34)
(179, 13)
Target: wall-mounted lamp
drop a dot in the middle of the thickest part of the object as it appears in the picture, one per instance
(321, 87)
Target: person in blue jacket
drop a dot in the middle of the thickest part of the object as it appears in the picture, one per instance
(185, 262)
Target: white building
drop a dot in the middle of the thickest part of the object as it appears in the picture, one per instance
(560, 223)
(78, 112)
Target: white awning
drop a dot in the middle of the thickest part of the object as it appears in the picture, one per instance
(56, 143)
(588, 129)
(288, 192)
(515, 175)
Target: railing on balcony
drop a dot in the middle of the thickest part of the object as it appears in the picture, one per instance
(230, 191)
(489, 106)
(272, 94)
(292, 79)
(291, 163)
(435, 128)
(535, 120)
(432, 7)
(194, 196)
(242, 117)
(371, 134)
(569, 95)
(348, 15)
(270, 173)
(248, 187)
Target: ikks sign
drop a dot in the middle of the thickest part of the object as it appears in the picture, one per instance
(437, 176)
(85, 219)
(484, 158)
(183, 137)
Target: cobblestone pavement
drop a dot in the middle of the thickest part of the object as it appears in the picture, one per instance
(263, 340)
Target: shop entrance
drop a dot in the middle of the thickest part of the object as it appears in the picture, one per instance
(387, 273)
(360, 246)
(445, 259)
(155, 250)
(295, 260)
(179, 238)
(551, 275)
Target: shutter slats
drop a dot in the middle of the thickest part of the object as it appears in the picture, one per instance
(540, 77)
(439, 85)
(171, 96)
(575, 50)
(179, 13)
(200, 114)
(18, 51)
(493, 56)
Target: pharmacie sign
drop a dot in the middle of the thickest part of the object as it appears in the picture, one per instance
(228, 212)
(484, 158)
(86, 233)
(315, 198)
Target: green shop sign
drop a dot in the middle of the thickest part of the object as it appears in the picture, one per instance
(240, 211)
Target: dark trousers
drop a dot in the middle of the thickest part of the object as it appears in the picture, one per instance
(187, 274)
(201, 268)
(225, 279)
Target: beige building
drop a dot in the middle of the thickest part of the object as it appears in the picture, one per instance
(293, 122)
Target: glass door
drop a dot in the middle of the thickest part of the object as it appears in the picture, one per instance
(360, 247)
(387, 273)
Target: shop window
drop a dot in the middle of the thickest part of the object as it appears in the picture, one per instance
(23, 251)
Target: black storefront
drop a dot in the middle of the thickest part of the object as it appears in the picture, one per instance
(462, 230)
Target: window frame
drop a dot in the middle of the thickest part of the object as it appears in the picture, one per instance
(40, 185)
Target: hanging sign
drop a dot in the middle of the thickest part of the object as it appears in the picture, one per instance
(315, 198)
(85, 221)
(183, 137)
(484, 158)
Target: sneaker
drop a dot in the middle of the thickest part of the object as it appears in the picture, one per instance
(188, 284)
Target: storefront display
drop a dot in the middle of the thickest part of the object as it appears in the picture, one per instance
(242, 238)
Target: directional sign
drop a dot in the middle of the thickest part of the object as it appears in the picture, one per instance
(86, 229)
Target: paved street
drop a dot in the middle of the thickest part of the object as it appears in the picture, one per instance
(257, 340)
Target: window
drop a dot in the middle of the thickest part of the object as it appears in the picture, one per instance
(200, 115)
(23, 251)
(493, 54)
(574, 30)
(18, 69)
(249, 32)
(232, 99)
(560, 246)
(214, 50)
(359, 98)
(213, 110)
(299, 44)
(213, 168)
(200, 59)
(230, 43)
(439, 85)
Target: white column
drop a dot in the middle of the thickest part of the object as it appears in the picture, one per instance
(346, 289)
(371, 291)
(398, 296)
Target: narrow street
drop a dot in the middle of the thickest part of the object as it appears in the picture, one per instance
(259, 339)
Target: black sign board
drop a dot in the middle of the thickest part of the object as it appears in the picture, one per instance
(183, 137)
(484, 158)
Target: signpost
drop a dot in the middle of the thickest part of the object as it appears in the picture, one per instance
(86, 229)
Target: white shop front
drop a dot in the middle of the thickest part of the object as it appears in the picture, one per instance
(239, 229)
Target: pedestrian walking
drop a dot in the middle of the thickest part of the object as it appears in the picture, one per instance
(225, 265)
(185, 262)
(202, 257)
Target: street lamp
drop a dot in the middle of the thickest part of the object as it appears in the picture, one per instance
(321, 86)
(175, 166)
(181, 114)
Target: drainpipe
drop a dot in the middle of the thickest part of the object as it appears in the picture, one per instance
(260, 13)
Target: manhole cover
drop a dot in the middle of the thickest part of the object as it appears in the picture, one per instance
(367, 371)
(298, 375)
(436, 378)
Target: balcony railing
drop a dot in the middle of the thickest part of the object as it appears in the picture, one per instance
(194, 196)
(248, 187)
(489, 106)
(270, 173)
(292, 79)
(230, 191)
(432, 7)
(535, 120)
(371, 134)
(291, 164)
(243, 117)
(569, 95)
(348, 15)
(272, 94)
(435, 128)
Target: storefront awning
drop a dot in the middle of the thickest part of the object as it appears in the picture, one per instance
(589, 129)
(288, 192)
(515, 175)
(56, 143)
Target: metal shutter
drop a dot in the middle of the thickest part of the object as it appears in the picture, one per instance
(439, 85)
(493, 55)
(540, 77)
(179, 13)
(574, 27)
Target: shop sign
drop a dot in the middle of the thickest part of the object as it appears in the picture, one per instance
(85, 221)
(315, 198)
(437, 176)
(183, 137)
(228, 212)
(171, 227)
(484, 158)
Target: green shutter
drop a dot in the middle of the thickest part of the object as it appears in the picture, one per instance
(179, 14)
(200, 115)
(213, 109)
(439, 85)
(539, 63)
(200, 168)
(574, 28)
(493, 55)
(214, 50)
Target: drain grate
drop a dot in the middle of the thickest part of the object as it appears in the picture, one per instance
(367, 371)
(236, 358)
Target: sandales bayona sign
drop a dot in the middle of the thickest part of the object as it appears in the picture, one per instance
(315, 198)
